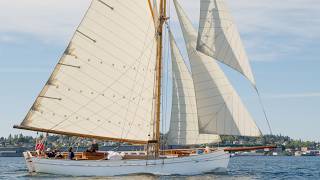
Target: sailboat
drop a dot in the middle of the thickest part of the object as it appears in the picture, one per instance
(108, 86)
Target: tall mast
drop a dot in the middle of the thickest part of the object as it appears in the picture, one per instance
(161, 21)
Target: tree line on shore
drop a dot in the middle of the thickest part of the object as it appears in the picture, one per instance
(59, 140)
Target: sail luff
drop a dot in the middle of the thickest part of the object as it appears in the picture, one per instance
(220, 109)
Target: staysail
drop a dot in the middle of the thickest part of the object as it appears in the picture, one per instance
(220, 109)
(103, 86)
(184, 128)
(219, 38)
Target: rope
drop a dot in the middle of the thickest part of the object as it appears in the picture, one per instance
(263, 109)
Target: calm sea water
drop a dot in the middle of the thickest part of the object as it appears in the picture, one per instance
(239, 168)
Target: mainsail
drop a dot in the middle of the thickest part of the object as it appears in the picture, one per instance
(220, 109)
(184, 128)
(103, 86)
(219, 38)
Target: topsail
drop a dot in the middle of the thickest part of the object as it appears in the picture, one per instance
(220, 109)
(219, 38)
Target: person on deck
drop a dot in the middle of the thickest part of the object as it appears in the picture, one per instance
(94, 147)
(70, 154)
(58, 154)
(50, 153)
(40, 145)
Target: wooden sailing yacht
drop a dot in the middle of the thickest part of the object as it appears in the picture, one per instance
(107, 86)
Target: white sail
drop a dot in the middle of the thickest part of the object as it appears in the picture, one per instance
(104, 83)
(219, 38)
(220, 109)
(184, 128)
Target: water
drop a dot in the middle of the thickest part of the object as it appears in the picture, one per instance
(239, 168)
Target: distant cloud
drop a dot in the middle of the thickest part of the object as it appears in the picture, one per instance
(296, 95)
(50, 20)
(4, 38)
(24, 70)
(271, 29)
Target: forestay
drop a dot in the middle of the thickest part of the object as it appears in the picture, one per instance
(220, 109)
(104, 83)
(219, 38)
(184, 128)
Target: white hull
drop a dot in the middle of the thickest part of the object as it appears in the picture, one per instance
(214, 162)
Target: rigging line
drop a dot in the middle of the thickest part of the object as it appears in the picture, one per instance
(166, 87)
(115, 46)
(92, 131)
(84, 118)
(169, 74)
(116, 34)
(122, 17)
(47, 120)
(138, 10)
(144, 81)
(135, 114)
(98, 95)
(108, 41)
(96, 113)
(263, 109)
(126, 19)
(124, 28)
(101, 94)
(140, 93)
(106, 52)
(109, 66)
(35, 119)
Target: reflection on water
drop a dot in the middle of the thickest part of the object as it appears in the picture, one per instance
(239, 168)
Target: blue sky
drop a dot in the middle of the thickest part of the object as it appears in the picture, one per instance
(281, 37)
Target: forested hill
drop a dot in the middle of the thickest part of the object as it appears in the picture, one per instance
(58, 140)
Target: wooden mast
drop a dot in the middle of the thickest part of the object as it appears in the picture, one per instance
(162, 19)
